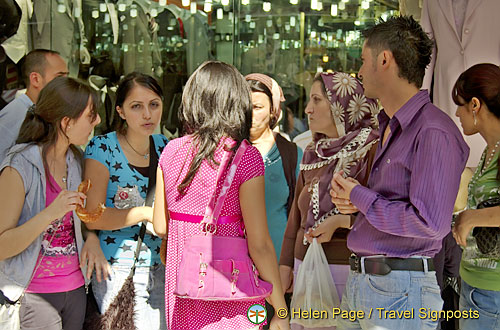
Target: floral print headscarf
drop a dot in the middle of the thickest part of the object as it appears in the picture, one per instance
(355, 117)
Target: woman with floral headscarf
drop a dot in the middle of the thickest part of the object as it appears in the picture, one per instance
(342, 121)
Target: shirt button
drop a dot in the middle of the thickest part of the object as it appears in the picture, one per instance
(376, 169)
(466, 31)
(461, 52)
(388, 160)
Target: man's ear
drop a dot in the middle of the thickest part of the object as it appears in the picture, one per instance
(385, 58)
(35, 79)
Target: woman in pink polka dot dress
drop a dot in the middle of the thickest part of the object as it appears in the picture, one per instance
(216, 113)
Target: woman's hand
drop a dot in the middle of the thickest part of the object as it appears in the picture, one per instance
(324, 232)
(279, 324)
(65, 202)
(463, 226)
(93, 257)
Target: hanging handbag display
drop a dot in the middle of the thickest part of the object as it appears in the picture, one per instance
(488, 238)
(219, 267)
(120, 314)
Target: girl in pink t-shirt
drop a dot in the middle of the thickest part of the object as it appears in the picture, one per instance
(41, 243)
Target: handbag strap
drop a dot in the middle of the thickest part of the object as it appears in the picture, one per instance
(153, 164)
(213, 209)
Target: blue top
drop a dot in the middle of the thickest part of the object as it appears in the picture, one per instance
(11, 118)
(277, 195)
(127, 188)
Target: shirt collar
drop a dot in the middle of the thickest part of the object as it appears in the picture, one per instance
(408, 111)
(25, 99)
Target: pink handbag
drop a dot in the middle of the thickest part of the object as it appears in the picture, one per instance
(219, 267)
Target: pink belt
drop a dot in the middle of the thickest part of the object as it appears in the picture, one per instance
(199, 218)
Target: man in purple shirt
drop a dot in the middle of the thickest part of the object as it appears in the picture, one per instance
(405, 209)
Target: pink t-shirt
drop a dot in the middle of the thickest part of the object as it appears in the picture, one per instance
(59, 269)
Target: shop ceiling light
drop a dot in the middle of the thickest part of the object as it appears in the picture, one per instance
(245, 2)
(314, 4)
(292, 21)
(162, 2)
(294, 2)
(95, 13)
(122, 7)
(193, 8)
(357, 23)
(345, 0)
(319, 6)
(365, 4)
(266, 6)
(220, 13)
(103, 7)
(325, 58)
(334, 11)
(207, 7)
(186, 3)
(248, 18)
(106, 18)
(133, 12)
(341, 5)
(61, 8)
(225, 2)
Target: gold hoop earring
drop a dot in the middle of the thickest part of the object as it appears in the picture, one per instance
(474, 115)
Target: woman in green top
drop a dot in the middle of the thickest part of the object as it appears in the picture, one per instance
(477, 94)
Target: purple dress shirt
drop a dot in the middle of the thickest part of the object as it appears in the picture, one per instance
(406, 208)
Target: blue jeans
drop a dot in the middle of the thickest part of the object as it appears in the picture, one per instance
(485, 303)
(149, 294)
(381, 298)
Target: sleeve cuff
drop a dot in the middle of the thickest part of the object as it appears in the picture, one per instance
(362, 198)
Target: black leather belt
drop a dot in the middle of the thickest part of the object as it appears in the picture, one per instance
(384, 265)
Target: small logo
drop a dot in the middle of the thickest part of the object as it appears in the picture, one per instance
(256, 314)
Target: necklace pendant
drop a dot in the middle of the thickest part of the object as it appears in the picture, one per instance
(64, 179)
(146, 156)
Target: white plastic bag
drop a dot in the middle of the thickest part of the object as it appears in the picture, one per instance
(314, 290)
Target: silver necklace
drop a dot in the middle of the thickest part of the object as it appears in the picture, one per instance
(143, 155)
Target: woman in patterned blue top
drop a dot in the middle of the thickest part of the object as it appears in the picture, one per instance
(118, 166)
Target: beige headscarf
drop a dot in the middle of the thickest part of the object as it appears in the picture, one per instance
(275, 89)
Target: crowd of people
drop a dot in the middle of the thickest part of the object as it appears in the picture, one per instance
(376, 186)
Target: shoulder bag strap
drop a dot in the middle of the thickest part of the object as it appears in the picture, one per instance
(289, 154)
(213, 210)
(153, 164)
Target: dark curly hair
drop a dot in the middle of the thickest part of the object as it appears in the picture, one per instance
(409, 44)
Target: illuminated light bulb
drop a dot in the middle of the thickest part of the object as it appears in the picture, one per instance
(248, 18)
(186, 3)
(162, 2)
(103, 7)
(106, 18)
(61, 8)
(245, 2)
(319, 6)
(341, 5)
(122, 7)
(334, 11)
(365, 5)
(314, 4)
(207, 7)
(95, 13)
(292, 21)
(266, 6)
(133, 12)
(225, 2)
(325, 58)
(220, 13)
(357, 22)
(193, 8)
(294, 2)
